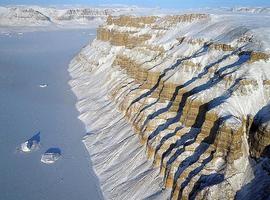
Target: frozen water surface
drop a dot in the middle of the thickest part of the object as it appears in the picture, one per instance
(26, 61)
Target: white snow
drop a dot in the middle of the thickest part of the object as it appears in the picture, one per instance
(118, 158)
(43, 85)
(27, 147)
(61, 17)
(31, 144)
(50, 157)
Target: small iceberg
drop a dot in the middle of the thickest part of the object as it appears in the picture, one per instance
(43, 85)
(51, 155)
(32, 144)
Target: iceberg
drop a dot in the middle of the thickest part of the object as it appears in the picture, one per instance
(43, 85)
(32, 144)
(51, 155)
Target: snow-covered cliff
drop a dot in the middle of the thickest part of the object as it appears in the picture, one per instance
(178, 106)
(257, 10)
(44, 16)
(22, 16)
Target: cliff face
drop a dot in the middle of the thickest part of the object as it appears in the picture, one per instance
(194, 88)
(16, 16)
(44, 16)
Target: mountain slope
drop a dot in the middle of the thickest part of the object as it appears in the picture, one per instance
(188, 92)
(44, 16)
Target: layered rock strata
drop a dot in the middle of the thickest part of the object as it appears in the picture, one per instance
(194, 89)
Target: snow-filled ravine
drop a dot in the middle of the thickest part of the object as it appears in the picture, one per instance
(38, 117)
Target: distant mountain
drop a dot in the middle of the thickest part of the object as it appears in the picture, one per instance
(22, 16)
(252, 10)
(43, 16)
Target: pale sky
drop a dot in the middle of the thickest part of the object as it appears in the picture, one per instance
(178, 4)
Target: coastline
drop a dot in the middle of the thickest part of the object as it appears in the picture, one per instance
(118, 157)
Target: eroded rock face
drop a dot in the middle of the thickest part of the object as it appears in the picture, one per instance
(193, 102)
(18, 16)
(45, 16)
(27, 13)
(259, 135)
(84, 13)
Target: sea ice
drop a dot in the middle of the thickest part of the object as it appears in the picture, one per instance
(51, 155)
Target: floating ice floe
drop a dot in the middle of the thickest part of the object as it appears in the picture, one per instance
(51, 155)
(32, 144)
(43, 85)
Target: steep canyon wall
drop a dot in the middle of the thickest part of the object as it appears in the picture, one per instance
(192, 91)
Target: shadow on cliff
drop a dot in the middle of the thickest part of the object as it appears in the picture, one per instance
(127, 89)
(209, 84)
(164, 73)
(204, 182)
(261, 118)
(199, 76)
(200, 150)
(190, 137)
(259, 186)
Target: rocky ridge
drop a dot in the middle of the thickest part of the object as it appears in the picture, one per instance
(44, 16)
(195, 90)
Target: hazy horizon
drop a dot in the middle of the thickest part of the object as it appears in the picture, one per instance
(170, 4)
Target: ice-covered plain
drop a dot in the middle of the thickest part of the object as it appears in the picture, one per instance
(27, 62)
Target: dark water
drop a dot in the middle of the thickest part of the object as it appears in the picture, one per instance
(25, 62)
